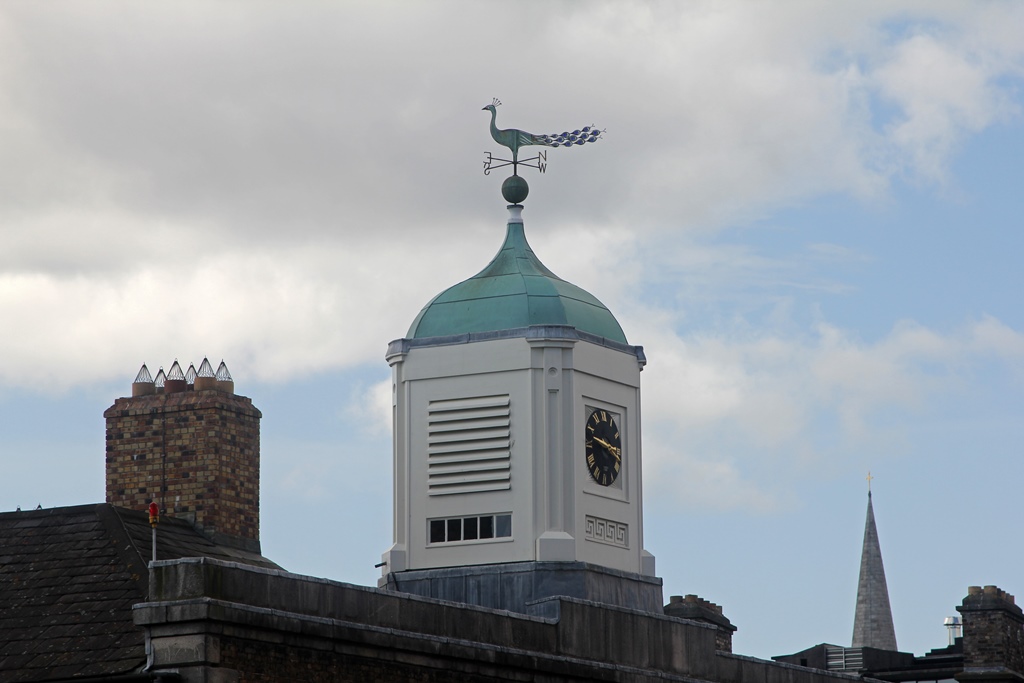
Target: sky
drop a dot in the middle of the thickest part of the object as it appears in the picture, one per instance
(808, 214)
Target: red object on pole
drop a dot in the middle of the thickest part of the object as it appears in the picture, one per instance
(154, 517)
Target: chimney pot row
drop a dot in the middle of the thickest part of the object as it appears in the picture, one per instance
(176, 381)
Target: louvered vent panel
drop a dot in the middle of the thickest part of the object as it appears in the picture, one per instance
(844, 658)
(468, 445)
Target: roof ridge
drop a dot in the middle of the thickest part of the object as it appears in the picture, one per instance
(46, 512)
(130, 554)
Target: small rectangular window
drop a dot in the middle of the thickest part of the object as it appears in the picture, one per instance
(487, 527)
(469, 528)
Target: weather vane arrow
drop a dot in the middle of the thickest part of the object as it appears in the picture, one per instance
(515, 187)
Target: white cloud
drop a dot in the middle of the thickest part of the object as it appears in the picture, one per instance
(995, 337)
(943, 92)
(735, 420)
(712, 482)
(716, 113)
(271, 315)
(281, 189)
(372, 406)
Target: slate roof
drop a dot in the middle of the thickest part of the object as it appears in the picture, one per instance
(872, 622)
(68, 579)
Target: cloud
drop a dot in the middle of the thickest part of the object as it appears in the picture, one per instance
(992, 336)
(250, 118)
(272, 315)
(372, 408)
(709, 484)
(733, 420)
(942, 93)
(281, 188)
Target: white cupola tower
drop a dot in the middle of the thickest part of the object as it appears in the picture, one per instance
(517, 453)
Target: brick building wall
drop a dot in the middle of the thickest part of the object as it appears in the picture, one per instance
(196, 453)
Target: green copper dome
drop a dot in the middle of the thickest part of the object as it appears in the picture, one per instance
(514, 290)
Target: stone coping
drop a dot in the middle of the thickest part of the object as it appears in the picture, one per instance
(566, 332)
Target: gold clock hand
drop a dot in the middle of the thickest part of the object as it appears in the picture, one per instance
(610, 448)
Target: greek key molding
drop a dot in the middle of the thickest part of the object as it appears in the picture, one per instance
(606, 531)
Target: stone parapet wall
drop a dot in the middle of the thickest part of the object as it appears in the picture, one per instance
(732, 668)
(212, 620)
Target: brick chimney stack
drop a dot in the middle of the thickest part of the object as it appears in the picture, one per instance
(696, 608)
(193, 448)
(993, 636)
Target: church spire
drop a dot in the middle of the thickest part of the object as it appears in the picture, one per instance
(872, 624)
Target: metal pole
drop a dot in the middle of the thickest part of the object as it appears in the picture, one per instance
(154, 517)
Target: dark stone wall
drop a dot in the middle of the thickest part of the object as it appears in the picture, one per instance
(221, 622)
(264, 663)
(515, 586)
(698, 609)
(993, 635)
(734, 668)
(277, 663)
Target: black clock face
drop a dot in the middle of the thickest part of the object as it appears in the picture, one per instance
(603, 447)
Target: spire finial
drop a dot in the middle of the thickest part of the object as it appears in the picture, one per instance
(869, 478)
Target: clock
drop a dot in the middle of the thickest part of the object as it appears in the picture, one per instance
(603, 447)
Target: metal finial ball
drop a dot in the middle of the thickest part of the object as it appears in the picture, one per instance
(514, 189)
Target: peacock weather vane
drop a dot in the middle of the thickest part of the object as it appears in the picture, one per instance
(515, 187)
